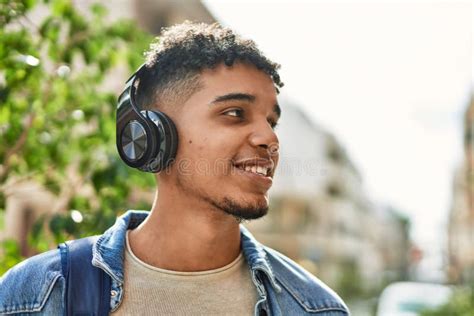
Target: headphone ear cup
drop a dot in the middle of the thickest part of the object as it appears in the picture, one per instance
(165, 141)
(171, 139)
(135, 137)
(146, 140)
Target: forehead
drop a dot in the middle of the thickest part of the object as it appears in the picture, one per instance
(238, 78)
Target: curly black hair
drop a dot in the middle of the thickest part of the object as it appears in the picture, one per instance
(177, 57)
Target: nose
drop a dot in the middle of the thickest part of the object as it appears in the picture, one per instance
(263, 136)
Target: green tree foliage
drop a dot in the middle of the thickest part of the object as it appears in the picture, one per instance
(350, 283)
(57, 121)
(460, 304)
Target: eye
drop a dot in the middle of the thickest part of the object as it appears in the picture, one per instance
(235, 112)
(273, 124)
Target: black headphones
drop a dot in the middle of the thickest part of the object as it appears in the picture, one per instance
(146, 140)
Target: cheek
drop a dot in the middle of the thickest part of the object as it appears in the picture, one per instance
(193, 146)
(203, 139)
(206, 143)
(201, 156)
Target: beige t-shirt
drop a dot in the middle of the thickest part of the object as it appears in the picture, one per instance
(153, 291)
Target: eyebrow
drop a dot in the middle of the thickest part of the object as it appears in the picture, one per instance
(238, 96)
(234, 96)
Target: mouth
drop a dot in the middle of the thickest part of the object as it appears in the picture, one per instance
(259, 171)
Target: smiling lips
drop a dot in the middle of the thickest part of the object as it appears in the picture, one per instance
(259, 166)
(259, 170)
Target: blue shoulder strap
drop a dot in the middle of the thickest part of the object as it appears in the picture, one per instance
(87, 287)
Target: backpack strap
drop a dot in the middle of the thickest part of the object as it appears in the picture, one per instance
(87, 287)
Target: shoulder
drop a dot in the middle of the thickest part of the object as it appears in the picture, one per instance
(27, 286)
(308, 290)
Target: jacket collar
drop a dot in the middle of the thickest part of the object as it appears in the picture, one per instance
(108, 251)
(256, 256)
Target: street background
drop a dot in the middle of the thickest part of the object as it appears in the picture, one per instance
(374, 184)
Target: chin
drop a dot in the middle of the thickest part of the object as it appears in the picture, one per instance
(244, 209)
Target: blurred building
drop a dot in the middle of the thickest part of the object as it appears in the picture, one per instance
(461, 217)
(152, 15)
(321, 216)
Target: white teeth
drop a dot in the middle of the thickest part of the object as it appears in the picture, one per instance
(257, 169)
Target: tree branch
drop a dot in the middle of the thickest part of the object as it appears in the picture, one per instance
(17, 147)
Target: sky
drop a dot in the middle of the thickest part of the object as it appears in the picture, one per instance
(391, 80)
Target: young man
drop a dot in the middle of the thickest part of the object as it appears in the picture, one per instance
(190, 255)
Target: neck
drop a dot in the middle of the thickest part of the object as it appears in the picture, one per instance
(184, 234)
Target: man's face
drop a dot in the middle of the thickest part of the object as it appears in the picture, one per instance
(228, 149)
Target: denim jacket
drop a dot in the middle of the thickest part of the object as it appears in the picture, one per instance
(36, 285)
